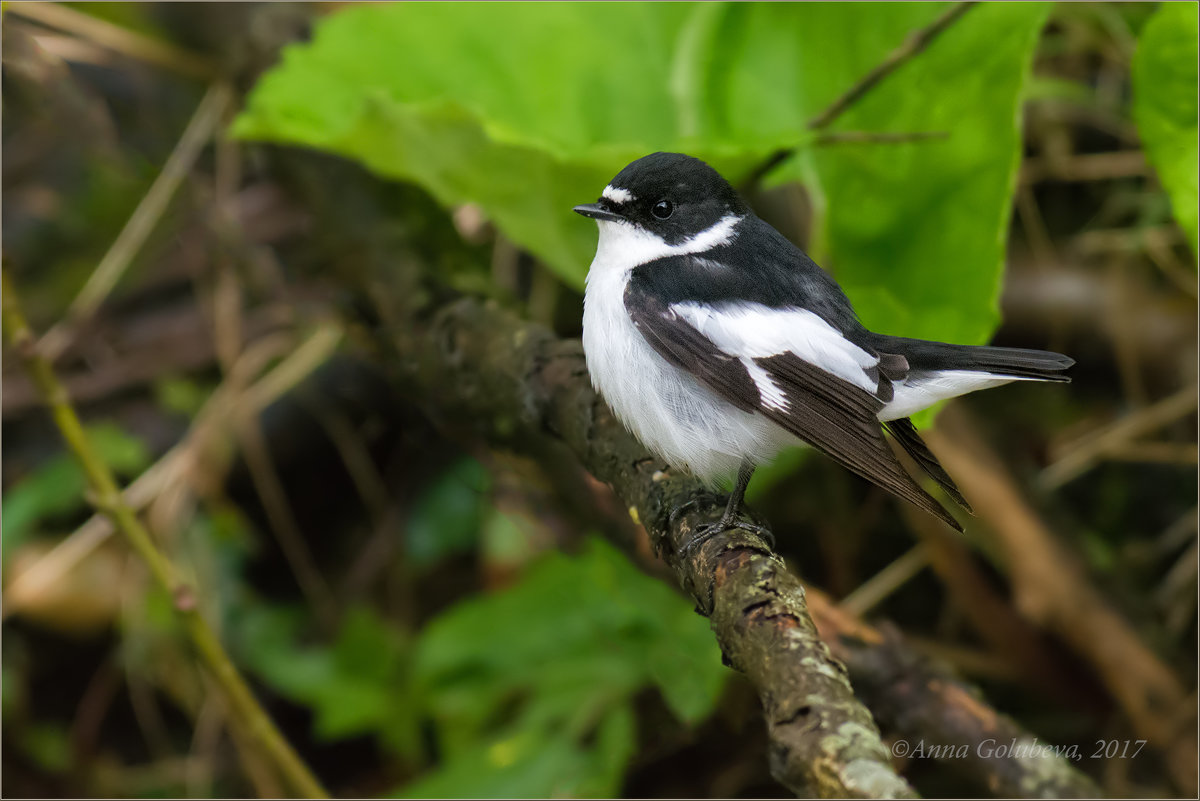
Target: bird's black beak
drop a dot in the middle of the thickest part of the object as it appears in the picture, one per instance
(598, 212)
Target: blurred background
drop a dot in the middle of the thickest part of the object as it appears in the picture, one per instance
(204, 204)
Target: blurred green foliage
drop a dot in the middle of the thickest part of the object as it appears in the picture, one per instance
(529, 690)
(1164, 106)
(56, 488)
(358, 684)
(447, 517)
(526, 111)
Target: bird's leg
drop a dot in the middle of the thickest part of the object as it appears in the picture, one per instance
(729, 518)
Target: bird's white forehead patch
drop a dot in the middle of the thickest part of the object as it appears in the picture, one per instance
(617, 194)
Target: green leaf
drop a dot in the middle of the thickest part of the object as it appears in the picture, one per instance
(1164, 106)
(522, 680)
(447, 518)
(915, 232)
(527, 765)
(522, 109)
(359, 684)
(56, 488)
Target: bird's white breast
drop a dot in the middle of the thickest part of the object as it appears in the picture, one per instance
(670, 411)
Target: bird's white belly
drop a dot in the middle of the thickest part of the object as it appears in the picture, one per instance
(670, 411)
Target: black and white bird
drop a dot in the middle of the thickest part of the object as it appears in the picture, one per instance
(718, 342)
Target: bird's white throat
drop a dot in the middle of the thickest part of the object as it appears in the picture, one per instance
(665, 407)
(623, 246)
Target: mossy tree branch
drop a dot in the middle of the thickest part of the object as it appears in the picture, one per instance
(473, 365)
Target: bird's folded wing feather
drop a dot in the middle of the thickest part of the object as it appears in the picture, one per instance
(798, 372)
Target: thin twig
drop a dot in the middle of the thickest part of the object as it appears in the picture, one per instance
(1078, 458)
(211, 421)
(875, 589)
(115, 38)
(1125, 240)
(1180, 453)
(915, 44)
(273, 495)
(73, 49)
(105, 494)
(877, 137)
(912, 46)
(1085, 167)
(147, 214)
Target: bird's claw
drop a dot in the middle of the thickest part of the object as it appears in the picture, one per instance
(707, 531)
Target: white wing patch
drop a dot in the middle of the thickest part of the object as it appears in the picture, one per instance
(755, 331)
(617, 194)
(769, 392)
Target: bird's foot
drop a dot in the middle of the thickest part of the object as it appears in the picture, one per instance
(707, 531)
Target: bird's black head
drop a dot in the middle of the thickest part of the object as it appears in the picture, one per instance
(670, 195)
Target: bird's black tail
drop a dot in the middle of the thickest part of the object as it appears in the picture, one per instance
(923, 356)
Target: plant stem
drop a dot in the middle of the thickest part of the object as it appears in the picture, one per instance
(105, 495)
(141, 223)
(915, 44)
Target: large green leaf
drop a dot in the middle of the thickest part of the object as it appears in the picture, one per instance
(1164, 105)
(526, 110)
(915, 231)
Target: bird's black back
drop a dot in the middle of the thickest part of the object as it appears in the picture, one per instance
(759, 266)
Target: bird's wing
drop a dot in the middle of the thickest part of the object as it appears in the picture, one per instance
(795, 369)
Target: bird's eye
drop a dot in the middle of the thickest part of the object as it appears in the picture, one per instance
(663, 209)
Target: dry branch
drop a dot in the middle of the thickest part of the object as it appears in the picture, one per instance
(141, 223)
(479, 366)
(1052, 590)
(116, 38)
